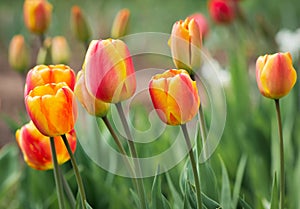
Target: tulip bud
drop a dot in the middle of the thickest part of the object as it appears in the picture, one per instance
(52, 108)
(185, 43)
(43, 74)
(120, 24)
(37, 15)
(109, 71)
(93, 105)
(201, 22)
(36, 147)
(18, 54)
(222, 11)
(275, 75)
(174, 96)
(80, 26)
(60, 50)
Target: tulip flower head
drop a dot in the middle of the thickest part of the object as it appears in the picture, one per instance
(60, 51)
(18, 54)
(93, 105)
(185, 43)
(275, 75)
(36, 147)
(80, 25)
(109, 71)
(120, 24)
(222, 11)
(201, 22)
(174, 96)
(37, 15)
(43, 74)
(52, 108)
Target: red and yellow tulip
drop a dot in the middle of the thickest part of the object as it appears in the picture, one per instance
(120, 23)
(52, 108)
(37, 15)
(92, 105)
(201, 22)
(275, 75)
(109, 71)
(36, 147)
(186, 43)
(43, 74)
(174, 96)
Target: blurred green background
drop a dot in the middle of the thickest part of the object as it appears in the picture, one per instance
(250, 129)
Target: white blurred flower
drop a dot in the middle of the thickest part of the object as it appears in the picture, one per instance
(289, 41)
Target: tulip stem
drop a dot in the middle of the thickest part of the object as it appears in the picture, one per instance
(76, 171)
(282, 178)
(120, 147)
(133, 152)
(203, 130)
(57, 175)
(194, 165)
(68, 190)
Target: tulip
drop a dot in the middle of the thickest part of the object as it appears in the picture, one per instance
(37, 15)
(93, 105)
(201, 22)
(52, 108)
(36, 147)
(120, 23)
(222, 11)
(109, 71)
(18, 54)
(60, 51)
(185, 43)
(275, 75)
(79, 24)
(174, 96)
(42, 74)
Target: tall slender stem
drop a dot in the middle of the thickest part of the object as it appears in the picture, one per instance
(203, 130)
(76, 171)
(134, 155)
(68, 190)
(194, 165)
(282, 178)
(57, 176)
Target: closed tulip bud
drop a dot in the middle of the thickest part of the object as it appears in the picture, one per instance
(92, 105)
(109, 71)
(120, 24)
(275, 75)
(80, 25)
(37, 15)
(18, 54)
(52, 108)
(60, 51)
(222, 11)
(36, 147)
(185, 43)
(174, 96)
(43, 74)
(201, 22)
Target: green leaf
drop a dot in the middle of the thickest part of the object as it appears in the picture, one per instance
(208, 180)
(209, 203)
(275, 194)
(87, 205)
(178, 200)
(225, 193)
(135, 197)
(244, 204)
(238, 181)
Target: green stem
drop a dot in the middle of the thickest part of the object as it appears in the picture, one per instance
(203, 130)
(194, 165)
(57, 175)
(282, 178)
(76, 171)
(68, 191)
(133, 152)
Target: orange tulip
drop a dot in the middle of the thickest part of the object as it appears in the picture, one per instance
(42, 74)
(36, 147)
(174, 96)
(275, 75)
(93, 105)
(18, 53)
(120, 23)
(60, 51)
(201, 22)
(109, 71)
(80, 25)
(37, 15)
(185, 43)
(52, 108)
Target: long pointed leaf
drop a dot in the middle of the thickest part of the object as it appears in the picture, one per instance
(238, 181)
